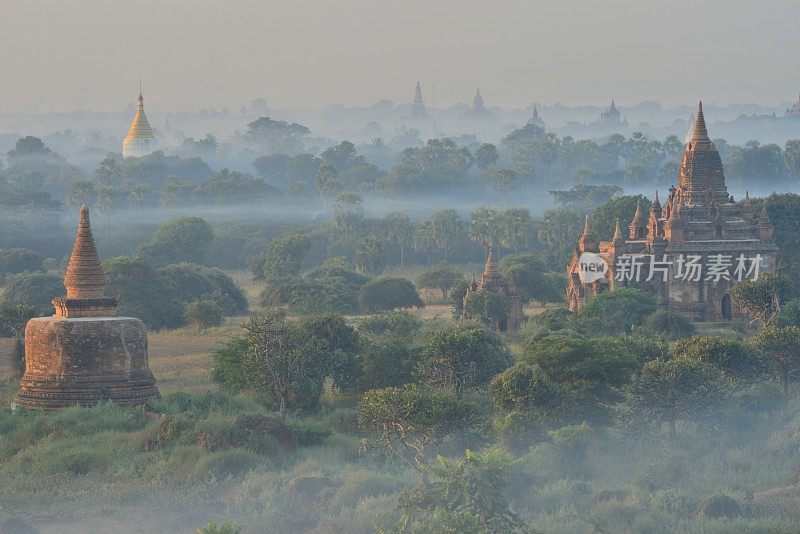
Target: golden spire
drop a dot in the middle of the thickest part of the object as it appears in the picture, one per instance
(84, 278)
(140, 127)
(617, 232)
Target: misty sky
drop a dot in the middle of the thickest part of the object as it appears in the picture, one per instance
(195, 53)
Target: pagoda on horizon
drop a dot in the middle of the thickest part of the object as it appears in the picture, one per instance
(140, 140)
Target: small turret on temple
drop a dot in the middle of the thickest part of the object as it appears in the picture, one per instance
(84, 354)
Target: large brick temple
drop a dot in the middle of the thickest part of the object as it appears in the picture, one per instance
(695, 247)
(84, 354)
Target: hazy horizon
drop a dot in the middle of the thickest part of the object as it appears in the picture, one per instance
(199, 54)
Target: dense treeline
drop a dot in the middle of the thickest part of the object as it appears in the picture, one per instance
(527, 157)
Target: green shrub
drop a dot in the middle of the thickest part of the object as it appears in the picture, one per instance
(309, 432)
(228, 527)
(719, 506)
(385, 294)
(672, 325)
(203, 313)
(358, 485)
(399, 323)
(19, 260)
(229, 462)
(615, 312)
(36, 290)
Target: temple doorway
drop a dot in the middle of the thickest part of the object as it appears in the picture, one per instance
(727, 311)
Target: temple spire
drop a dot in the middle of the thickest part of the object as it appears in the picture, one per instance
(418, 95)
(700, 132)
(617, 232)
(490, 269)
(85, 278)
(637, 216)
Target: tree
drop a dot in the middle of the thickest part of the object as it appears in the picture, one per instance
(675, 390)
(460, 357)
(389, 362)
(528, 272)
(340, 347)
(731, 356)
(143, 293)
(505, 182)
(284, 257)
(615, 312)
(13, 317)
(784, 212)
(34, 290)
(228, 370)
(277, 136)
(467, 495)
(590, 371)
(28, 145)
(516, 229)
(185, 239)
(761, 299)
(524, 387)
(586, 197)
(605, 217)
(18, 260)
(672, 325)
(559, 230)
(781, 347)
(327, 182)
(440, 277)
(486, 156)
(233, 186)
(445, 228)
(203, 313)
(386, 293)
(485, 227)
(347, 211)
(400, 231)
(370, 255)
(81, 192)
(488, 307)
(282, 360)
(411, 419)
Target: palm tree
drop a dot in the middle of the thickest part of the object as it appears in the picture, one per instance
(400, 231)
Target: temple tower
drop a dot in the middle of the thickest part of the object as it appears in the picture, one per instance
(84, 354)
(492, 280)
(478, 109)
(418, 110)
(140, 140)
(695, 247)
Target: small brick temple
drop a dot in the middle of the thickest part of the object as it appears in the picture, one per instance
(84, 354)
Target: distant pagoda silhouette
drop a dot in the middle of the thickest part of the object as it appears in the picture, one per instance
(84, 354)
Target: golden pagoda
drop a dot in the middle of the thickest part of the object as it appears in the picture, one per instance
(140, 140)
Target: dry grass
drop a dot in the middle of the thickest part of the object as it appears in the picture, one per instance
(180, 359)
(251, 288)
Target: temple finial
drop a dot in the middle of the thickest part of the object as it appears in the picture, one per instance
(586, 225)
(617, 231)
(84, 278)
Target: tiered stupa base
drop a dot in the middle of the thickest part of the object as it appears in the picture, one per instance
(85, 360)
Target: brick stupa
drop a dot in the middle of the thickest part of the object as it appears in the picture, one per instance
(84, 353)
